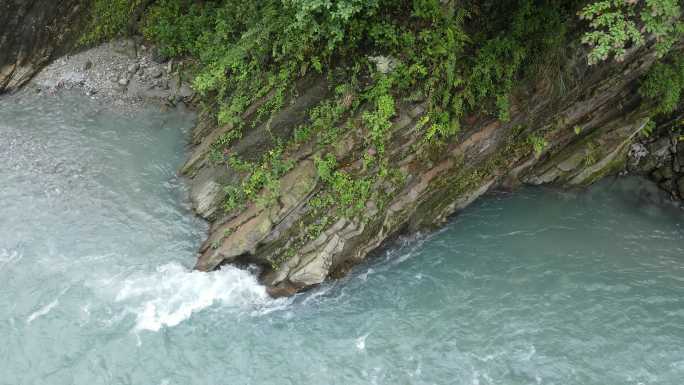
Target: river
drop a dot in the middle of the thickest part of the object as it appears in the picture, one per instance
(534, 287)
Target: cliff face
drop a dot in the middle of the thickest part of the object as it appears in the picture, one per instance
(34, 32)
(570, 137)
(661, 157)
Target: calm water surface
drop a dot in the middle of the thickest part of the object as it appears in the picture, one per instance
(97, 238)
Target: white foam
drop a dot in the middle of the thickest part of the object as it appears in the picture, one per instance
(319, 292)
(361, 342)
(42, 311)
(8, 257)
(364, 276)
(45, 309)
(172, 294)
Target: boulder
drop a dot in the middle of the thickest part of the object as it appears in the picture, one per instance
(156, 73)
(133, 68)
(660, 148)
(679, 156)
(126, 47)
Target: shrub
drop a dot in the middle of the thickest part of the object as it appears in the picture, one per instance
(663, 84)
(619, 24)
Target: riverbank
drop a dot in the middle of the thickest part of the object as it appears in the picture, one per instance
(121, 73)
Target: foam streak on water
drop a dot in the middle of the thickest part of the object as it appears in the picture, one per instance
(97, 241)
(172, 294)
(43, 311)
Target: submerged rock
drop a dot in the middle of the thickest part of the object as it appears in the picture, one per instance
(662, 163)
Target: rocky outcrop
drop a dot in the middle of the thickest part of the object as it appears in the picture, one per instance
(660, 157)
(567, 137)
(34, 32)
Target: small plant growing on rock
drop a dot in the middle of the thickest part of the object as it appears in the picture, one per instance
(578, 130)
(538, 144)
(591, 155)
(648, 128)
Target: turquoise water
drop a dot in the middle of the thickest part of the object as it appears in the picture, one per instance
(96, 242)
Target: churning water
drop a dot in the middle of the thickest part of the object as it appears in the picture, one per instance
(96, 241)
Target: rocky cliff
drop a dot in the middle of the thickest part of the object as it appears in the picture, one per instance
(660, 157)
(569, 137)
(34, 32)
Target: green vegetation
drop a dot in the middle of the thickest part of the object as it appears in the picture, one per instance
(459, 59)
(592, 154)
(262, 183)
(322, 125)
(245, 50)
(664, 83)
(348, 193)
(619, 24)
(377, 120)
(465, 56)
(109, 19)
(538, 143)
(648, 128)
(248, 50)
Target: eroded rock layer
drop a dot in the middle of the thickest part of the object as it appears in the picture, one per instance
(586, 129)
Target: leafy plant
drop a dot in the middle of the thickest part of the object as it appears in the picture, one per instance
(109, 18)
(591, 154)
(663, 84)
(348, 193)
(377, 120)
(648, 128)
(619, 24)
(538, 144)
(262, 182)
